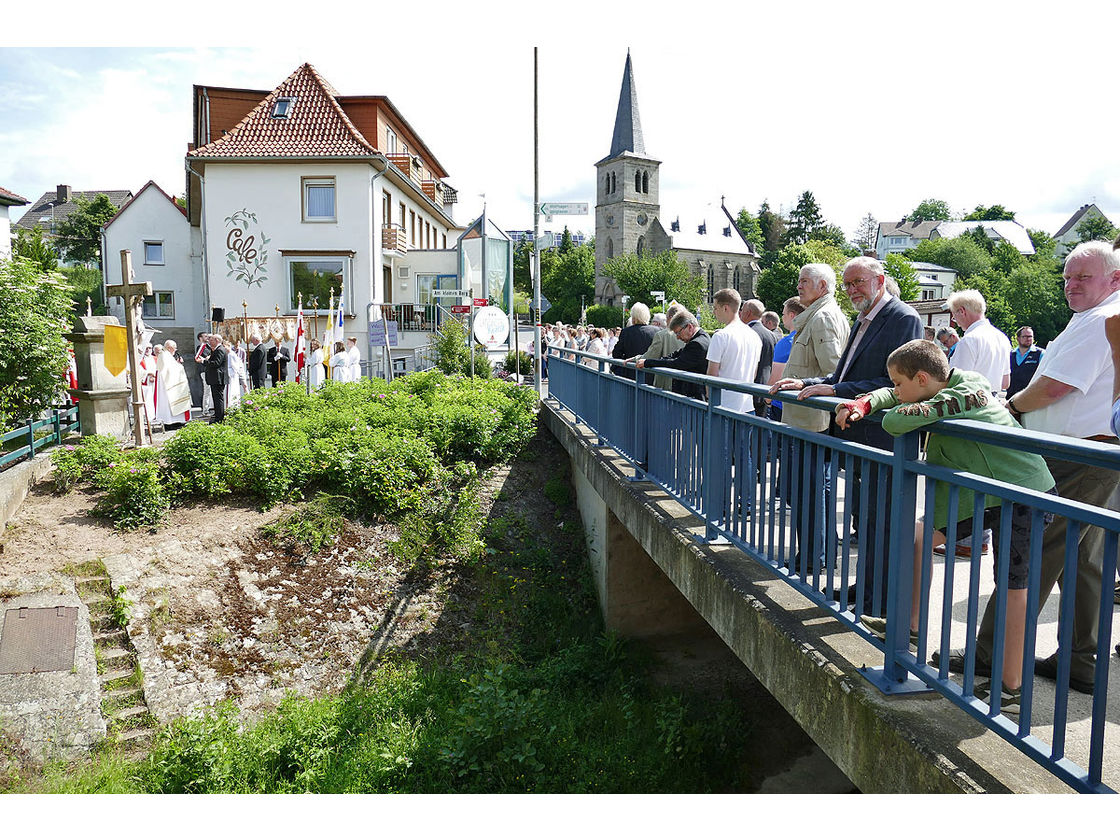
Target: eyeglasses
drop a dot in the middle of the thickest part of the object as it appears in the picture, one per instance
(863, 281)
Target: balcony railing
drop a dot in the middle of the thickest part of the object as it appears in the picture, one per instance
(393, 238)
(785, 497)
(434, 191)
(406, 163)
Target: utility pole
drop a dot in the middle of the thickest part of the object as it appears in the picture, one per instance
(536, 238)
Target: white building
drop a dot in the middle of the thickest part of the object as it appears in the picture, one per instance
(936, 281)
(8, 199)
(997, 231)
(896, 237)
(1067, 235)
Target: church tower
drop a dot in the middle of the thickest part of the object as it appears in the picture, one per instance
(626, 193)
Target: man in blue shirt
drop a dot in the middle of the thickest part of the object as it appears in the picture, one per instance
(1024, 361)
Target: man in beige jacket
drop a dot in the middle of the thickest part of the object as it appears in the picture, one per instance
(822, 334)
(665, 343)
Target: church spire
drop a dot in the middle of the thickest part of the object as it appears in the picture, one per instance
(627, 123)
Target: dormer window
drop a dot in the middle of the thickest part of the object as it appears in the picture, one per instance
(727, 231)
(282, 107)
(675, 226)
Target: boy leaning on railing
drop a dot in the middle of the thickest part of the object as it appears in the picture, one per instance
(927, 390)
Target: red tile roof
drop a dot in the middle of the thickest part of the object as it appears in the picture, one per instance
(9, 199)
(316, 125)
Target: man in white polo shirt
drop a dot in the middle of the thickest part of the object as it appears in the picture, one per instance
(734, 350)
(983, 348)
(1072, 395)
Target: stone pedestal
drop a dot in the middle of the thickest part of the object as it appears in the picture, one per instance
(102, 398)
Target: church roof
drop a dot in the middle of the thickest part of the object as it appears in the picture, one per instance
(627, 123)
(709, 228)
(313, 125)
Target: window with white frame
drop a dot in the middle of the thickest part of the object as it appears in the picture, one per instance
(317, 277)
(319, 200)
(159, 305)
(153, 253)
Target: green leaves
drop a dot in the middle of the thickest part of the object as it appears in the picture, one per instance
(34, 314)
(79, 234)
(640, 276)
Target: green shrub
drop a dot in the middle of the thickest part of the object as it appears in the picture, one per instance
(605, 316)
(134, 495)
(515, 362)
(213, 460)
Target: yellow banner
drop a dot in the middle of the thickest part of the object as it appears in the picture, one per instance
(116, 349)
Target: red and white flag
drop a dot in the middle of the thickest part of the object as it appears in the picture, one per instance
(299, 343)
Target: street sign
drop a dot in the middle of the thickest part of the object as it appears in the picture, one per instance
(481, 302)
(545, 304)
(377, 333)
(450, 293)
(564, 208)
(460, 310)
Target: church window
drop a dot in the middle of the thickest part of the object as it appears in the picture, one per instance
(711, 282)
(614, 182)
(641, 245)
(637, 182)
(645, 182)
(610, 249)
(736, 278)
(607, 183)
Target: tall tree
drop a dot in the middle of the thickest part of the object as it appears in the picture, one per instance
(566, 243)
(1044, 245)
(961, 254)
(806, 219)
(751, 229)
(773, 227)
(570, 279)
(35, 312)
(79, 234)
(31, 245)
(778, 281)
(898, 267)
(639, 276)
(867, 234)
(994, 213)
(1096, 227)
(929, 210)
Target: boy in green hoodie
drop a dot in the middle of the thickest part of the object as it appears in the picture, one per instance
(927, 390)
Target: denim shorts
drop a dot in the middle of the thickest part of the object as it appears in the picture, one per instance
(1019, 568)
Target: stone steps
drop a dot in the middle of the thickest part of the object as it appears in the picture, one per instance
(115, 634)
(130, 712)
(109, 676)
(80, 581)
(114, 654)
(134, 735)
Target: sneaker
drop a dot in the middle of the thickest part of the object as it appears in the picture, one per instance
(956, 663)
(1009, 698)
(878, 628)
(963, 550)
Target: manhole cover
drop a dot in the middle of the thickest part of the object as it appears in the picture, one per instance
(35, 640)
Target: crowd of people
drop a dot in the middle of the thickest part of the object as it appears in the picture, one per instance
(886, 360)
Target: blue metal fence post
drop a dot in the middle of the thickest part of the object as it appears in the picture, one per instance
(893, 677)
(708, 484)
(641, 428)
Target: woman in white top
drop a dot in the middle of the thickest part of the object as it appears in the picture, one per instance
(354, 357)
(595, 345)
(340, 364)
(315, 362)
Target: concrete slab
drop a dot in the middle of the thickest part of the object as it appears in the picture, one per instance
(53, 714)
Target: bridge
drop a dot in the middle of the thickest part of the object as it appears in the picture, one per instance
(691, 515)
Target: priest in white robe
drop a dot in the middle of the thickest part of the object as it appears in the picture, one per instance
(173, 393)
(235, 372)
(315, 367)
(354, 360)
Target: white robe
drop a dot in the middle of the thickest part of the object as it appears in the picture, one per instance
(316, 370)
(355, 359)
(147, 374)
(173, 393)
(234, 373)
(340, 367)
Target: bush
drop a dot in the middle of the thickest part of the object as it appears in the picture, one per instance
(515, 362)
(35, 312)
(134, 495)
(605, 316)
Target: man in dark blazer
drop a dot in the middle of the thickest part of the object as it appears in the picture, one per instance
(883, 324)
(750, 313)
(692, 358)
(278, 356)
(257, 364)
(216, 376)
(635, 339)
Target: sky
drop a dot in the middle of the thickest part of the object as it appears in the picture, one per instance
(873, 106)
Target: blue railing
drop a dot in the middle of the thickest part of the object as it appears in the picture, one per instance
(775, 492)
(60, 421)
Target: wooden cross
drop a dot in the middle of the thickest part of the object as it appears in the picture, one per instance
(133, 294)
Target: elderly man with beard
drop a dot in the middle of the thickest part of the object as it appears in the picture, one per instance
(884, 323)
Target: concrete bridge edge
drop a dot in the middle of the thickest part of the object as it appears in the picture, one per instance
(800, 653)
